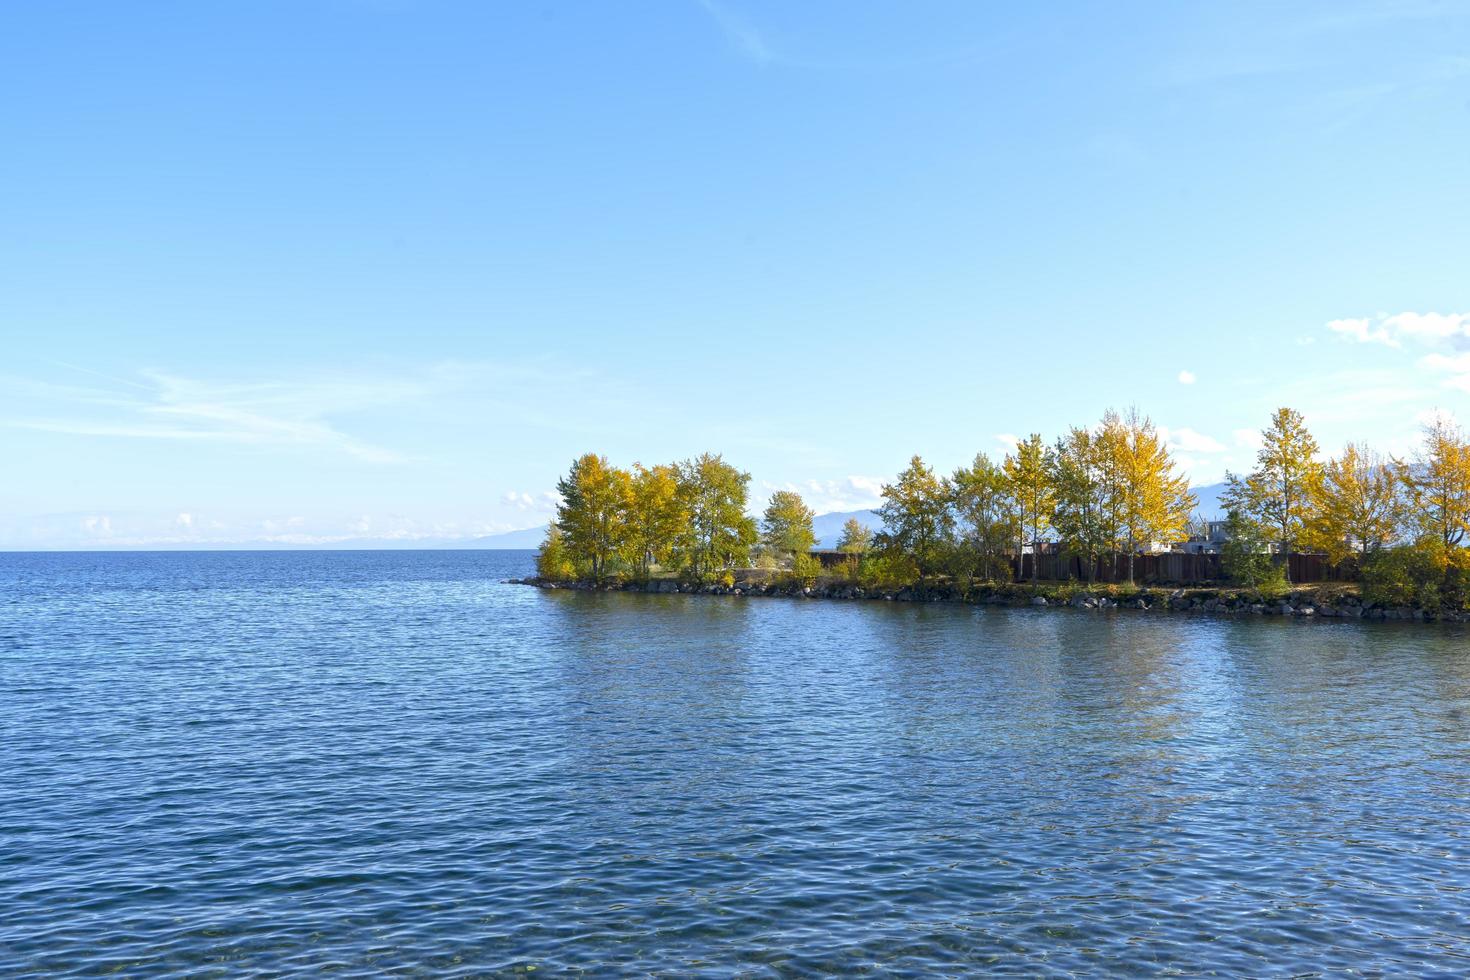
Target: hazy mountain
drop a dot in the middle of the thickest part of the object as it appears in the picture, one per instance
(508, 540)
(828, 527)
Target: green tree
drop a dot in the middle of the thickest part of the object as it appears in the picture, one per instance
(786, 527)
(856, 537)
(718, 533)
(1357, 505)
(1277, 494)
(917, 520)
(593, 511)
(1245, 558)
(1028, 475)
(1081, 518)
(656, 516)
(985, 517)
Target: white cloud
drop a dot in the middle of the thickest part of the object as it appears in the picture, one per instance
(1247, 438)
(1362, 331)
(826, 496)
(100, 525)
(1426, 329)
(522, 501)
(1007, 440)
(1186, 377)
(1189, 441)
(184, 520)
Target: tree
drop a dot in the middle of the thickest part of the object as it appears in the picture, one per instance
(656, 516)
(1278, 493)
(985, 517)
(553, 563)
(917, 521)
(1028, 476)
(786, 527)
(1244, 557)
(1081, 518)
(718, 533)
(1437, 482)
(1357, 505)
(593, 511)
(1154, 502)
(856, 537)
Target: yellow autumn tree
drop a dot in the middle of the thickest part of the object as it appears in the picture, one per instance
(1357, 507)
(1154, 501)
(1277, 494)
(593, 512)
(655, 516)
(1437, 482)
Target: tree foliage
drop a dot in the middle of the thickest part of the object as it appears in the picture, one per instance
(1083, 515)
(1028, 479)
(718, 534)
(985, 518)
(1244, 557)
(656, 516)
(917, 520)
(1154, 501)
(856, 537)
(1278, 493)
(1110, 488)
(786, 527)
(1437, 483)
(593, 514)
(1356, 506)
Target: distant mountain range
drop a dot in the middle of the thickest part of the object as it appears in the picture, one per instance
(828, 527)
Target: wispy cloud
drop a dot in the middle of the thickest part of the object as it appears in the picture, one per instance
(739, 32)
(168, 407)
(827, 496)
(1445, 335)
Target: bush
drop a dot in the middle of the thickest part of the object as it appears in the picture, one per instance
(1246, 562)
(1411, 575)
(554, 562)
(886, 571)
(804, 570)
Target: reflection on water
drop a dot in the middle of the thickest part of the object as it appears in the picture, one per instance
(391, 762)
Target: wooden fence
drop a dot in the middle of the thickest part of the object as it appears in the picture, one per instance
(1170, 569)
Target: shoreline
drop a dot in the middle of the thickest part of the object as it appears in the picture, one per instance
(1321, 601)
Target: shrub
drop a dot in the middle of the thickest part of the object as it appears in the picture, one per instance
(1410, 575)
(886, 571)
(1246, 562)
(804, 569)
(554, 562)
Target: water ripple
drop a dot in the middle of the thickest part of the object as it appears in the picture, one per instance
(389, 763)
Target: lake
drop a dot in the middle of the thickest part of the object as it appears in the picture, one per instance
(389, 762)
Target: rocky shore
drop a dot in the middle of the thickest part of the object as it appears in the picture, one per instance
(1324, 602)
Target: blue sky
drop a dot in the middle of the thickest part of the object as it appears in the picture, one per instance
(320, 270)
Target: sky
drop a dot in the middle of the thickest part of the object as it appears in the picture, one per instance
(324, 271)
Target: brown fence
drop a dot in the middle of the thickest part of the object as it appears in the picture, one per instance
(1172, 569)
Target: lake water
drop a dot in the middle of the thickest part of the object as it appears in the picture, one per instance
(254, 763)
